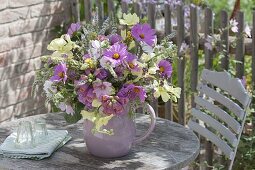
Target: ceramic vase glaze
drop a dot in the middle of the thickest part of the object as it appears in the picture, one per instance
(120, 143)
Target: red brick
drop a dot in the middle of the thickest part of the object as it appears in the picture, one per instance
(6, 113)
(15, 97)
(4, 4)
(20, 3)
(48, 8)
(13, 84)
(5, 58)
(15, 70)
(10, 15)
(35, 24)
(4, 30)
(25, 40)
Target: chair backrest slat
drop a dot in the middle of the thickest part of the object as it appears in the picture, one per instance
(220, 111)
(213, 138)
(221, 114)
(232, 106)
(224, 81)
(231, 137)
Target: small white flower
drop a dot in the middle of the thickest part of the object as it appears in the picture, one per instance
(233, 24)
(49, 90)
(247, 31)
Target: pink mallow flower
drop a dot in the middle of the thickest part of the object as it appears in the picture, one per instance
(66, 108)
(86, 95)
(132, 92)
(102, 88)
(144, 33)
(59, 73)
(114, 105)
(165, 68)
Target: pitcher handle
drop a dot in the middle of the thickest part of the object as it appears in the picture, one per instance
(152, 125)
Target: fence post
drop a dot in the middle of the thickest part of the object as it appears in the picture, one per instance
(151, 14)
(87, 10)
(253, 63)
(240, 45)
(110, 8)
(224, 40)
(181, 64)
(124, 7)
(100, 7)
(75, 10)
(137, 7)
(168, 30)
(208, 65)
(193, 51)
(208, 32)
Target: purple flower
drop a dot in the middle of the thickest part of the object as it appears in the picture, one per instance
(165, 68)
(71, 74)
(115, 38)
(144, 33)
(86, 95)
(132, 92)
(102, 88)
(114, 105)
(60, 73)
(86, 56)
(131, 62)
(101, 73)
(73, 28)
(116, 54)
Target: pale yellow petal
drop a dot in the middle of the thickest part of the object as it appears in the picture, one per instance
(88, 115)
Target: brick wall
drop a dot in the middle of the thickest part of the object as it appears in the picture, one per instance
(26, 27)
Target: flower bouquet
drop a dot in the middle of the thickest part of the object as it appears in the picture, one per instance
(101, 76)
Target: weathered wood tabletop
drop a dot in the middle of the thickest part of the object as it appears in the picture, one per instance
(170, 146)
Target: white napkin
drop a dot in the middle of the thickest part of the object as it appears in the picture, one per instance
(55, 139)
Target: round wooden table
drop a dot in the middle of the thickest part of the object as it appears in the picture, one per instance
(170, 146)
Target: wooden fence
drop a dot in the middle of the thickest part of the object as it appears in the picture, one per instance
(243, 47)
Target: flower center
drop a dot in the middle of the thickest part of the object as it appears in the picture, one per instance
(161, 69)
(136, 90)
(116, 56)
(141, 36)
(61, 74)
(131, 65)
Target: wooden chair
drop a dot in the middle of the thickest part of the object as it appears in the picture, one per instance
(220, 113)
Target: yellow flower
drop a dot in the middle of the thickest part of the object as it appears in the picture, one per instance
(62, 45)
(88, 115)
(161, 91)
(129, 19)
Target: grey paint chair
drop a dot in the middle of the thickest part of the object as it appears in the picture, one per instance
(220, 112)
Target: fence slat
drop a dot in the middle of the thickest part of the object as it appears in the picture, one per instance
(168, 24)
(208, 65)
(208, 32)
(151, 14)
(240, 45)
(137, 7)
(75, 10)
(100, 7)
(124, 7)
(224, 40)
(181, 64)
(87, 10)
(168, 30)
(253, 53)
(110, 7)
(193, 51)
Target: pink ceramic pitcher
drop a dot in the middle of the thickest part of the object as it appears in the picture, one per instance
(120, 143)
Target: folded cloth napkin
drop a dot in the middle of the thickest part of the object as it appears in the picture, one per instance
(55, 139)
